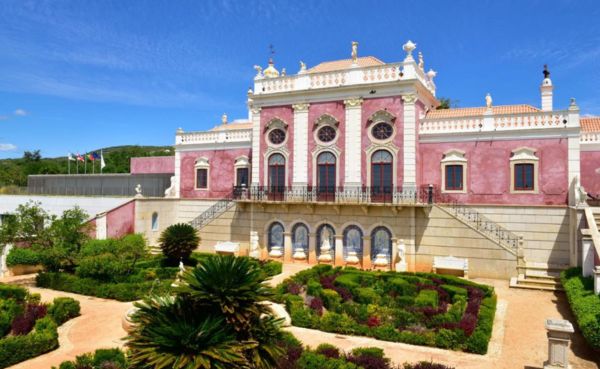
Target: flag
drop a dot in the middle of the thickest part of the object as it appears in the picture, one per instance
(71, 158)
(102, 163)
(95, 155)
(90, 156)
(80, 158)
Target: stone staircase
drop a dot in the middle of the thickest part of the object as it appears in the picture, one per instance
(213, 212)
(538, 276)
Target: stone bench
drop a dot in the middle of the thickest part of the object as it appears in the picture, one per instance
(230, 248)
(451, 263)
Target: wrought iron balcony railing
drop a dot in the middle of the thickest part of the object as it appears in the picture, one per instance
(339, 195)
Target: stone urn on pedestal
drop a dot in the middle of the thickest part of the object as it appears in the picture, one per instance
(299, 253)
(325, 251)
(276, 252)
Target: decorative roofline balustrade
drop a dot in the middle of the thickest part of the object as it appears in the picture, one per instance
(210, 137)
(590, 138)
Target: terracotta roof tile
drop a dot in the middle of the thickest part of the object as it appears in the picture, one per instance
(244, 124)
(478, 111)
(365, 61)
(590, 124)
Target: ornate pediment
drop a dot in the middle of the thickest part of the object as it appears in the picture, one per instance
(381, 116)
(524, 153)
(326, 119)
(275, 123)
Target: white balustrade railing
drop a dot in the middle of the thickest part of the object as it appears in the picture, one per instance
(234, 135)
(590, 138)
(497, 122)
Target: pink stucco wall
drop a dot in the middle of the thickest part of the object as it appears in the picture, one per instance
(590, 171)
(120, 221)
(394, 106)
(221, 174)
(152, 164)
(488, 171)
(286, 114)
(337, 110)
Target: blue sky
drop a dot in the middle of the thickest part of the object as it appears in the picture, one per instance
(80, 75)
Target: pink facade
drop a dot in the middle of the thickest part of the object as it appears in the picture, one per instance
(152, 165)
(286, 114)
(488, 170)
(221, 176)
(120, 221)
(394, 106)
(337, 110)
(590, 172)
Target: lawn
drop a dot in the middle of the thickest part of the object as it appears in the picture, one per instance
(415, 308)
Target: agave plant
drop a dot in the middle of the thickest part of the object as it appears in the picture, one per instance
(170, 333)
(178, 241)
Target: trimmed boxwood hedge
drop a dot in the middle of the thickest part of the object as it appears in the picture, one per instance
(584, 304)
(23, 256)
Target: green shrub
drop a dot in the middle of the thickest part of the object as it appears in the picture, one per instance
(401, 286)
(348, 280)
(313, 288)
(368, 351)
(178, 241)
(454, 291)
(312, 360)
(303, 317)
(403, 318)
(450, 338)
(98, 247)
(339, 323)
(114, 356)
(331, 299)
(584, 304)
(105, 267)
(386, 332)
(9, 309)
(8, 291)
(367, 295)
(272, 268)
(427, 298)
(43, 338)
(23, 256)
(63, 309)
(478, 341)
(328, 350)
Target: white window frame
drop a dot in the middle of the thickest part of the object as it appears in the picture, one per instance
(454, 157)
(524, 155)
(241, 162)
(202, 163)
(154, 224)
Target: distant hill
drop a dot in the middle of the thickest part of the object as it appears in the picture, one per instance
(14, 172)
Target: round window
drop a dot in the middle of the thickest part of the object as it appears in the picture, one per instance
(382, 131)
(277, 136)
(326, 134)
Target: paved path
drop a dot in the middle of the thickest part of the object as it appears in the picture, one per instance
(99, 326)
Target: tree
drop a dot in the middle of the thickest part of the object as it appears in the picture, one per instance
(32, 155)
(26, 226)
(178, 241)
(447, 103)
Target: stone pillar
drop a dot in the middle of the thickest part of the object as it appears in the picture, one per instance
(559, 336)
(573, 143)
(287, 247)
(264, 250)
(367, 250)
(300, 173)
(410, 142)
(353, 150)
(256, 131)
(339, 250)
(177, 175)
(312, 248)
(587, 255)
(597, 280)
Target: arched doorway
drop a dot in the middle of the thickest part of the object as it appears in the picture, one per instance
(381, 176)
(326, 163)
(300, 241)
(381, 246)
(275, 242)
(353, 245)
(276, 177)
(325, 243)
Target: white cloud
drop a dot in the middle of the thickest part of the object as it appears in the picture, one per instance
(21, 112)
(7, 147)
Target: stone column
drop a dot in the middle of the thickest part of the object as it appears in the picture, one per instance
(597, 280)
(573, 143)
(312, 248)
(353, 149)
(410, 142)
(300, 174)
(256, 129)
(559, 336)
(339, 250)
(367, 250)
(264, 250)
(287, 247)
(587, 254)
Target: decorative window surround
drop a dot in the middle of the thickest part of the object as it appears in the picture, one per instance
(155, 222)
(202, 163)
(524, 155)
(381, 116)
(393, 150)
(315, 154)
(241, 162)
(268, 153)
(276, 123)
(322, 121)
(255, 145)
(454, 157)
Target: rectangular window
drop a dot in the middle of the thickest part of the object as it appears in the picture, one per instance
(202, 178)
(242, 177)
(524, 177)
(454, 177)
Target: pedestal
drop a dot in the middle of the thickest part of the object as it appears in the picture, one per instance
(339, 250)
(559, 336)
(287, 247)
(597, 280)
(366, 259)
(312, 249)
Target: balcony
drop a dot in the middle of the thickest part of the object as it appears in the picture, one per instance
(393, 196)
(214, 137)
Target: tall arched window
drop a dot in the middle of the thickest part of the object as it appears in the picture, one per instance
(353, 243)
(381, 243)
(276, 175)
(275, 240)
(155, 221)
(300, 241)
(326, 176)
(381, 176)
(326, 232)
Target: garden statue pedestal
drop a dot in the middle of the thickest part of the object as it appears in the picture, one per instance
(597, 280)
(299, 254)
(381, 260)
(352, 258)
(559, 337)
(276, 252)
(325, 251)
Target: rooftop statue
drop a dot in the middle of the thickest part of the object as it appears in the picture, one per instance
(488, 101)
(546, 71)
(354, 52)
(302, 67)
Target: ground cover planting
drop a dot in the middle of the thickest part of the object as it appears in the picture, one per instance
(415, 308)
(584, 303)
(28, 328)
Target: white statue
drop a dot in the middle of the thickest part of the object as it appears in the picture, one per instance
(138, 190)
(421, 61)
(254, 247)
(401, 264)
(258, 70)
(224, 118)
(179, 274)
(488, 100)
(354, 52)
(170, 192)
(302, 67)
(283, 72)
(325, 250)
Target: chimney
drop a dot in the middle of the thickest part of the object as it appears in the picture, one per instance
(546, 90)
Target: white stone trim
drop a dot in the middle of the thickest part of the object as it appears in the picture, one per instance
(410, 140)
(177, 173)
(271, 151)
(322, 121)
(352, 167)
(240, 163)
(202, 163)
(393, 150)
(300, 174)
(524, 155)
(315, 154)
(256, 128)
(531, 134)
(454, 157)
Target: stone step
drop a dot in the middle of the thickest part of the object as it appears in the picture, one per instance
(537, 284)
(26, 280)
(532, 265)
(542, 274)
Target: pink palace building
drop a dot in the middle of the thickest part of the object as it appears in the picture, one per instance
(351, 162)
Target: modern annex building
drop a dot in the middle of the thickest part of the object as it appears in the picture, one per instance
(350, 162)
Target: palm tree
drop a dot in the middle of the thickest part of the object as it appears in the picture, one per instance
(178, 241)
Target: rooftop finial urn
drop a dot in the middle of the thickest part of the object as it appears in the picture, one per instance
(409, 47)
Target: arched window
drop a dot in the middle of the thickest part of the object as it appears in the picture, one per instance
(300, 240)
(155, 221)
(326, 176)
(275, 241)
(381, 176)
(353, 243)
(326, 232)
(381, 243)
(276, 174)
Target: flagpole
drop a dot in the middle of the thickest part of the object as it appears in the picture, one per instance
(84, 164)
(69, 164)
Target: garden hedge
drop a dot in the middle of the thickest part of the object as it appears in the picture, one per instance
(584, 304)
(23, 256)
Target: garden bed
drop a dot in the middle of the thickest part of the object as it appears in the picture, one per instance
(584, 304)
(415, 308)
(28, 328)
